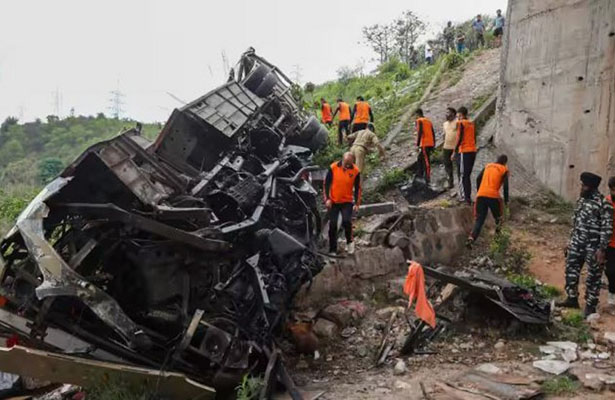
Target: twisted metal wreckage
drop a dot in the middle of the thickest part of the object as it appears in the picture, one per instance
(183, 254)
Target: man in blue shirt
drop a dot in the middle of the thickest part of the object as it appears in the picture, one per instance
(479, 29)
(499, 28)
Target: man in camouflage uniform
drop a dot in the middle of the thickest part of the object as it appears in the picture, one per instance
(591, 232)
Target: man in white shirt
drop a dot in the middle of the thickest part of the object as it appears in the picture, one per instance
(450, 140)
(428, 54)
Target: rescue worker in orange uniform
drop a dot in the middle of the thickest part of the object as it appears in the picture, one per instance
(342, 196)
(466, 150)
(610, 250)
(361, 115)
(489, 182)
(325, 110)
(343, 123)
(425, 142)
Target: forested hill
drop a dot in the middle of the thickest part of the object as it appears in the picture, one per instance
(33, 152)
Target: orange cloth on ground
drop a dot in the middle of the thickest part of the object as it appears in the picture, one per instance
(414, 288)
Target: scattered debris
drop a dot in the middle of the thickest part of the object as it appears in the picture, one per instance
(517, 301)
(419, 191)
(555, 367)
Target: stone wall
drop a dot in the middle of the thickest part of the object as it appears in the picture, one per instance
(425, 235)
(556, 107)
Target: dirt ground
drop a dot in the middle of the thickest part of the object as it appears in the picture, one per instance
(346, 368)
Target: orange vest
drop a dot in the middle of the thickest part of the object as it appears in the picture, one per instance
(493, 177)
(612, 242)
(342, 184)
(326, 113)
(344, 111)
(361, 115)
(468, 144)
(427, 140)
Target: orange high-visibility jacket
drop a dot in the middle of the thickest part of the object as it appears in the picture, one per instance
(326, 113)
(493, 177)
(361, 115)
(424, 129)
(612, 242)
(466, 136)
(343, 183)
(344, 111)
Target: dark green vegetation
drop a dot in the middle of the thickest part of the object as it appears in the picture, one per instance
(120, 390)
(32, 154)
(560, 385)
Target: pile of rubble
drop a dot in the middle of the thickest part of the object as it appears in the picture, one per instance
(183, 254)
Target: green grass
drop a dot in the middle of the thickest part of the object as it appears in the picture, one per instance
(554, 205)
(560, 385)
(573, 318)
(479, 101)
(528, 282)
(120, 390)
(573, 327)
(391, 179)
(249, 388)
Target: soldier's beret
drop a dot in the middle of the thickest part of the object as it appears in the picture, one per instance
(590, 179)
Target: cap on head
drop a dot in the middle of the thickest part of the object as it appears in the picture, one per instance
(591, 180)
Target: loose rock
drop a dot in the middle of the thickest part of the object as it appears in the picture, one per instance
(325, 329)
(555, 367)
(400, 368)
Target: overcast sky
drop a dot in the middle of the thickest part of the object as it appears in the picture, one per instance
(78, 51)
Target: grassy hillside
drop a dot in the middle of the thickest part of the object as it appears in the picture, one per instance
(390, 91)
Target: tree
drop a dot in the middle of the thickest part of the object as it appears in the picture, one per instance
(381, 39)
(48, 169)
(407, 30)
(8, 122)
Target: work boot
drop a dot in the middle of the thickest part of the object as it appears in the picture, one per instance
(469, 242)
(589, 310)
(570, 302)
(350, 248)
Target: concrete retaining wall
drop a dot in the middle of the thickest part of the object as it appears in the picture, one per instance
(556, 107)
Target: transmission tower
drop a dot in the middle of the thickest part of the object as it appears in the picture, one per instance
(57, 102)
(297, 74)
(116, 102)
